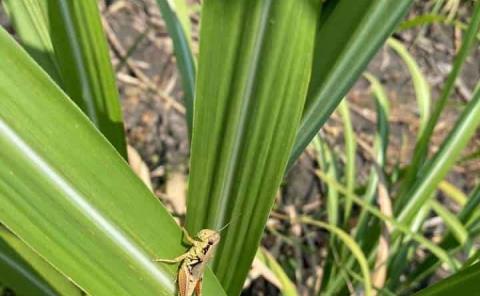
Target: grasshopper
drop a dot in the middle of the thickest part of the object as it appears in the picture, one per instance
(194, 261)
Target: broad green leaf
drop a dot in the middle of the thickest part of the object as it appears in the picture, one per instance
(68, 194)
(18, 275)
(66, 38)
(347, 39)
(175, 14)
(30, 20)
(254, 67)
(27, 273)
(82, 54)
(465, 282)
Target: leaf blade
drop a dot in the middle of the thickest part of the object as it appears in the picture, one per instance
(32, 270)
(175, 14)
(339, 62)
(82, 54)
(67, 204)
(245, 123)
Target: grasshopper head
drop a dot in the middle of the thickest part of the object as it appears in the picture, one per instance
(208, 235)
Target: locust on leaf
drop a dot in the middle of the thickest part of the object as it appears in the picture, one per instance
(194, 261)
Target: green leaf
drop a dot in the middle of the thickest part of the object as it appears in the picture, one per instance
(362, 231)
(71, 197)
(443, 160)
(288, 288)
(422, 20)
(350, 155)
(470, 211)
(27, 273)
(254, 67)
(346, 41)
(66, 38)
(82, 54)
(421, 147)
(18, 275)
(352, 246)
(420, 84)
(464, 282)
(328, 165)
(30, 20)
(466, 215)
(453, 192)
(451, 221)
(398, 226)
(175, 14)
(380, 148)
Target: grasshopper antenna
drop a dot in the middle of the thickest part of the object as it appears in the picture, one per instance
(224, 226)
(228, 224)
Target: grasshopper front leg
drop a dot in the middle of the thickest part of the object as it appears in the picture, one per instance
(172, 261)
(188, 237)
(181, 257)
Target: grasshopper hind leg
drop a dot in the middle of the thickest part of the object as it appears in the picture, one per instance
(198, 288)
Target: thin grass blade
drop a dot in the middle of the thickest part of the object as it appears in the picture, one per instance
(347, 39)
(444, 159)
(351, 245)
(328, 165)
(288, 288)
(453, 192)
(350, 156)
(380, 147)
(420, 84)
(421, 147)
(451, 221)
(175, 14)
(465, 216)
(437, 251)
